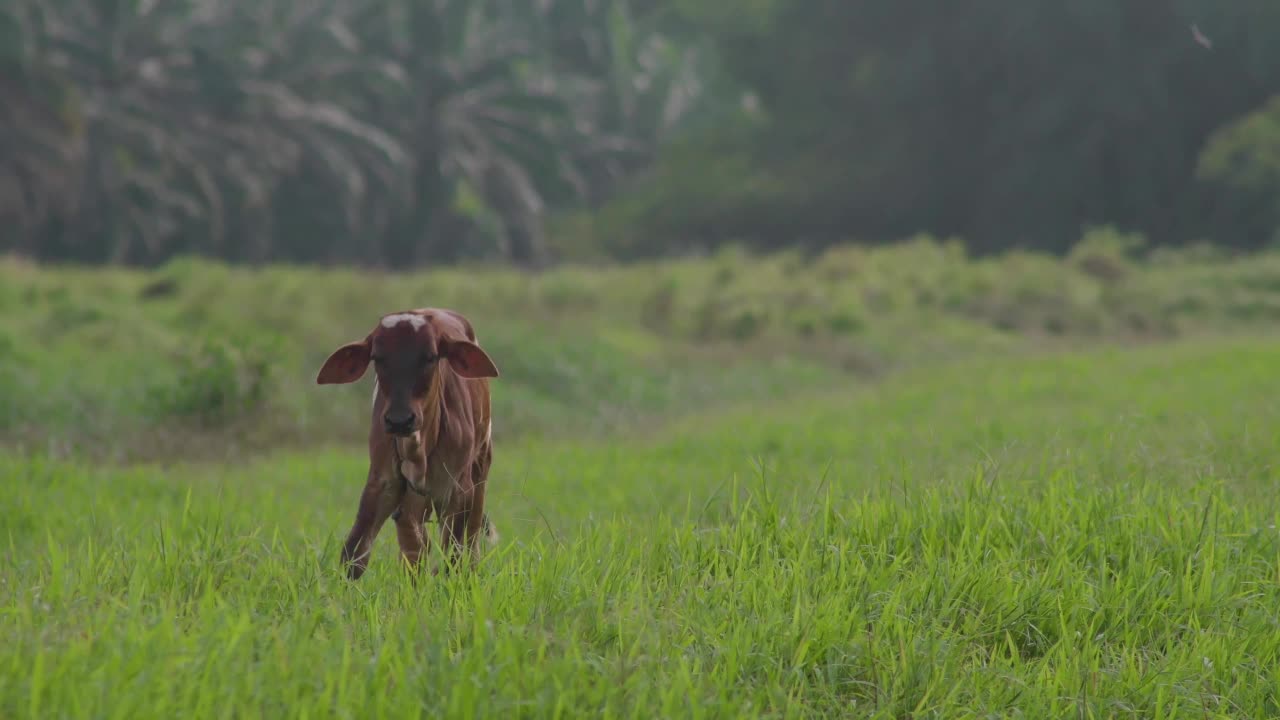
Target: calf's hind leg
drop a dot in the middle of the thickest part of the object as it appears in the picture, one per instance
(479, 528)
(469, 524)
(410, 528)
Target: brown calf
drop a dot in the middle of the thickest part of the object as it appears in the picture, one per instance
(430, 434)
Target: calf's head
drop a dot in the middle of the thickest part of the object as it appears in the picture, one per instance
(406, 349)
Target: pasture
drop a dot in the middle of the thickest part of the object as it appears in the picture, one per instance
(930, 487)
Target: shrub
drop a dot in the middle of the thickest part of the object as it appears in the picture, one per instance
(746, 323)
(11, 385)
(216, 382)
(846, 321)
(1106, 254)
(657, 310)
(566, 291)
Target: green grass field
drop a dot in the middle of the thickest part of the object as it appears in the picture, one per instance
(1013, 528)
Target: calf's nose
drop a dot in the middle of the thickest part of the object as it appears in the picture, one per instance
(399, 424)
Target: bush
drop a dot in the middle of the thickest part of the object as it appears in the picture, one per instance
(11, 385)
(1241, 164)
(746, 323)
(657, 311)
(1107, 254)
(566, 291)
(215, 383)
(846, 321)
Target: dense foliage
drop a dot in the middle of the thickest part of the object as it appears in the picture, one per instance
(394, 132)
(203, 357)
(340, 130)
(1006, 122)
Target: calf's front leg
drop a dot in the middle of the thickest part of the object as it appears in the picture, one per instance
(377, 502)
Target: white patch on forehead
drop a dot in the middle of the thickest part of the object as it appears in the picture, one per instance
(375, 391)
(414, 319)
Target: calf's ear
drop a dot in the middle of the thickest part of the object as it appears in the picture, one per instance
(467, 359)
(347, 364)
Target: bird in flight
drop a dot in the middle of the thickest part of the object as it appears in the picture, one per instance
(1201, 38)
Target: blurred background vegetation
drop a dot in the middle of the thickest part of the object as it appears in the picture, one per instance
(648, 207)
(391, 133)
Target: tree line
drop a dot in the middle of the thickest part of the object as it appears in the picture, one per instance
(396, 132)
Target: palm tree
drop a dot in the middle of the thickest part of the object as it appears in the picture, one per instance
(39, 152)
(190, 120)
(256, 129)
